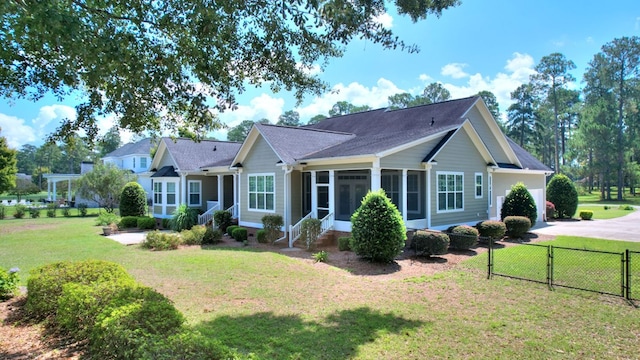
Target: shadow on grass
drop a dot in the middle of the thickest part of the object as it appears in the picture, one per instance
(338, 336)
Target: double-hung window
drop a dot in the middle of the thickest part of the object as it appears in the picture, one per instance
(262, 192)
(450, 191)
(195, 194)
(143, 162)
(478, 177)
(157, 193)
(171, 193)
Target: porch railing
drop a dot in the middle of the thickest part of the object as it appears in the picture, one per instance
(208, 215)
(326, 224)
(233, 209)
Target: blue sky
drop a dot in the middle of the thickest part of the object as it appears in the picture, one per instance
(480, 45)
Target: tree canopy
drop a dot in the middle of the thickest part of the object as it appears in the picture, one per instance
(8, 166)
(104, 184)
(164, 64)
(239, 132)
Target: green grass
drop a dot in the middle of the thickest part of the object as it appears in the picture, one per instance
(599, 212)
(282, 308)
(594, 198)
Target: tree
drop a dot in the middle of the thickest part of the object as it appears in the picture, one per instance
(435, 93)
(553, 73)
(519, 202)
(345, 108)
(26, 157)
(159, 64)
(103, 184)
(110, 141)
(316, 119)
(239, 132)
(377, 228)
(405, 100)
(564, 196)
(8, 166)
(289, 118)
(133, 200)
(24, 187)
(520, 114)
(492, 103)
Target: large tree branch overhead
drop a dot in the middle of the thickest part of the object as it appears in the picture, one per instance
(159, 64)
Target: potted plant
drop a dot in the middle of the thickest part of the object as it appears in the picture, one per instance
(109, 229)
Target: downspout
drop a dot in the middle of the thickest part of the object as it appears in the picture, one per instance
(287, 179)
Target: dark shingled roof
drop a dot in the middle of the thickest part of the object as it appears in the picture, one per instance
(527, 160)
(165, 171)
(142, 147)
(190, 155)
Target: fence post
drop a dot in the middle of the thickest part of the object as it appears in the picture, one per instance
(626, 278)
(489, 259)
(550, 267)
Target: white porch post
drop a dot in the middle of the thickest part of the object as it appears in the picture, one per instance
(48, 189)
(236, 194)
(314, 195)
(220, 192)
(428, 166)
(404, 195)
(332, 192)
(55, 193)
(69, 193)
(183, 192)
(376, 174)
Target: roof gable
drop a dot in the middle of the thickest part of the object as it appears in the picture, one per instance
(142, 147)
(473, 135)
(188, 155)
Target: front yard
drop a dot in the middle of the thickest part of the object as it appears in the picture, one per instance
(288, 307)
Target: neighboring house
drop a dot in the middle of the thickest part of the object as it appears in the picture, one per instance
(135, 157)
(193, 173)
(441, 164)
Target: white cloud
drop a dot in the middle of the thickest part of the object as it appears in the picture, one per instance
(15, 131)
(261, 107)
(638, 23)
(425, 78)
(454, 70)
(53, 113)
(385, 19)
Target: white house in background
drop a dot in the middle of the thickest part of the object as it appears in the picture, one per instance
(135, 157)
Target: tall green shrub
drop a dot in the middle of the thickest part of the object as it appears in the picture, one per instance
(272, 224)
(519, 202)
(310, 231)
(222, 219)
(563, 194)
(184, 218)
(133, 200)
(377, 228)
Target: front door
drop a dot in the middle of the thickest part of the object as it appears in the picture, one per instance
(351, 189)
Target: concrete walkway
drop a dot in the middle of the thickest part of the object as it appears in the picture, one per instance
(129, 238)
(626, 228)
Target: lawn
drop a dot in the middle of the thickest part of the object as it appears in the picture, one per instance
(594, 198)
(602, 212)
(285, 308)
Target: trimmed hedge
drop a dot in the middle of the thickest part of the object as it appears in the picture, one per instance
(430, 243)
(344, 243)
(517, 225)
(240, 234)
(133, 200)
(586, 214)
(272, 225)
(212, 236)
(230, 229)
(492, 228)
(156, 240)
(128, 222)
(463, 237)
(146, 223)
(261, 236)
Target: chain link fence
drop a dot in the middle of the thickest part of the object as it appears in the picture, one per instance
(633, 275)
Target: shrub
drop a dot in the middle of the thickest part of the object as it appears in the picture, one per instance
(8, 283)
(52, 210)
(231, 228)
(133, 200)
(82, 209)
(159, 241)
(34, 213)
(166, 223)
(310, 231)
(3, 211)
(193, 236)
(45, 283)
(378, 231)
(563, 194)
(212, 236)
(272, 225)
(321, 256)
(550, 210)
(222, 219)
(519, 202)
(586, 214)
(184, 218)
(106, 218)
(430, 243)
(344, 243)
(128, 222)
(66, 211)
(20, 211)
(491, 228)
(463, 237)
(187, 344)
(240, 234)
(626, 207)
(136, 316)
(261, 236)
(517, 225)
(146, 223)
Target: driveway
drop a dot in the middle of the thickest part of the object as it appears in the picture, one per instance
(626, 228)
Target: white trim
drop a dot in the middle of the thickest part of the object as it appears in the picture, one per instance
(490, 190)
(428, 213)
(404, 195)
(265, 192)
(199, 203)
(250, 224)
(446, 173)
(475, 185)
(341, 225)
(413, 143)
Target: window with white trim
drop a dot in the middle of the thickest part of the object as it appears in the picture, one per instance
(134, 163)
(450, 191)
(143, 162)
(478, 185)
(490, 190)
(413, 192)
(195, 192)
(171, 193)
(157, 193)
(262, 192)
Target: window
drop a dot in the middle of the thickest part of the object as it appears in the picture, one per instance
(390, 182)
(134, 163)
(490, 190)
(478, 185)
(143, 162)
(413, 193)
(194, 192)
(157, 193)
(262, 192)
(450, 191)
(171, 193)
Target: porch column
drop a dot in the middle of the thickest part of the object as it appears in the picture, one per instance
(332, 192)
(428, 192)
(314, 195)
(48, 189)
(69, 193)
(55, 193)
(404, 195)
(183, 193)
(375, 178)
(220, 191)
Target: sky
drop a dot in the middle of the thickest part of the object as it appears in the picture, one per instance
(480, 45)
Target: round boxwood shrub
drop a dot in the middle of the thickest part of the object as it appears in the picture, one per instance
(344, 243)
(261, 236)
(586, 214)
(222, 219)
(133, 200)
(8, 283)
(230, 229)
(491, 228)
(429, 243)
(146, 223)
(517, 226)
(128, 222)
(563, 194)
(463, 237)
(377, 228)
(240, 234)
(519, 202)
(212, 236)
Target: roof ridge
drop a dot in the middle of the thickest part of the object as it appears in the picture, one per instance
(203, 140)
(435, 103)
(308, 129)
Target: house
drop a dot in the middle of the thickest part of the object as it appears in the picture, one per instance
(441, 164)
(135, 157)
(194, 173)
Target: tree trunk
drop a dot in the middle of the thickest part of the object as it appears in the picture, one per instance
(620, 133)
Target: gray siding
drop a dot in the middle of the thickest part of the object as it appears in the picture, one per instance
(502, 183)
(409, 158)
(166, 160)
(260, 159)
(490, 141)
(460, 155)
